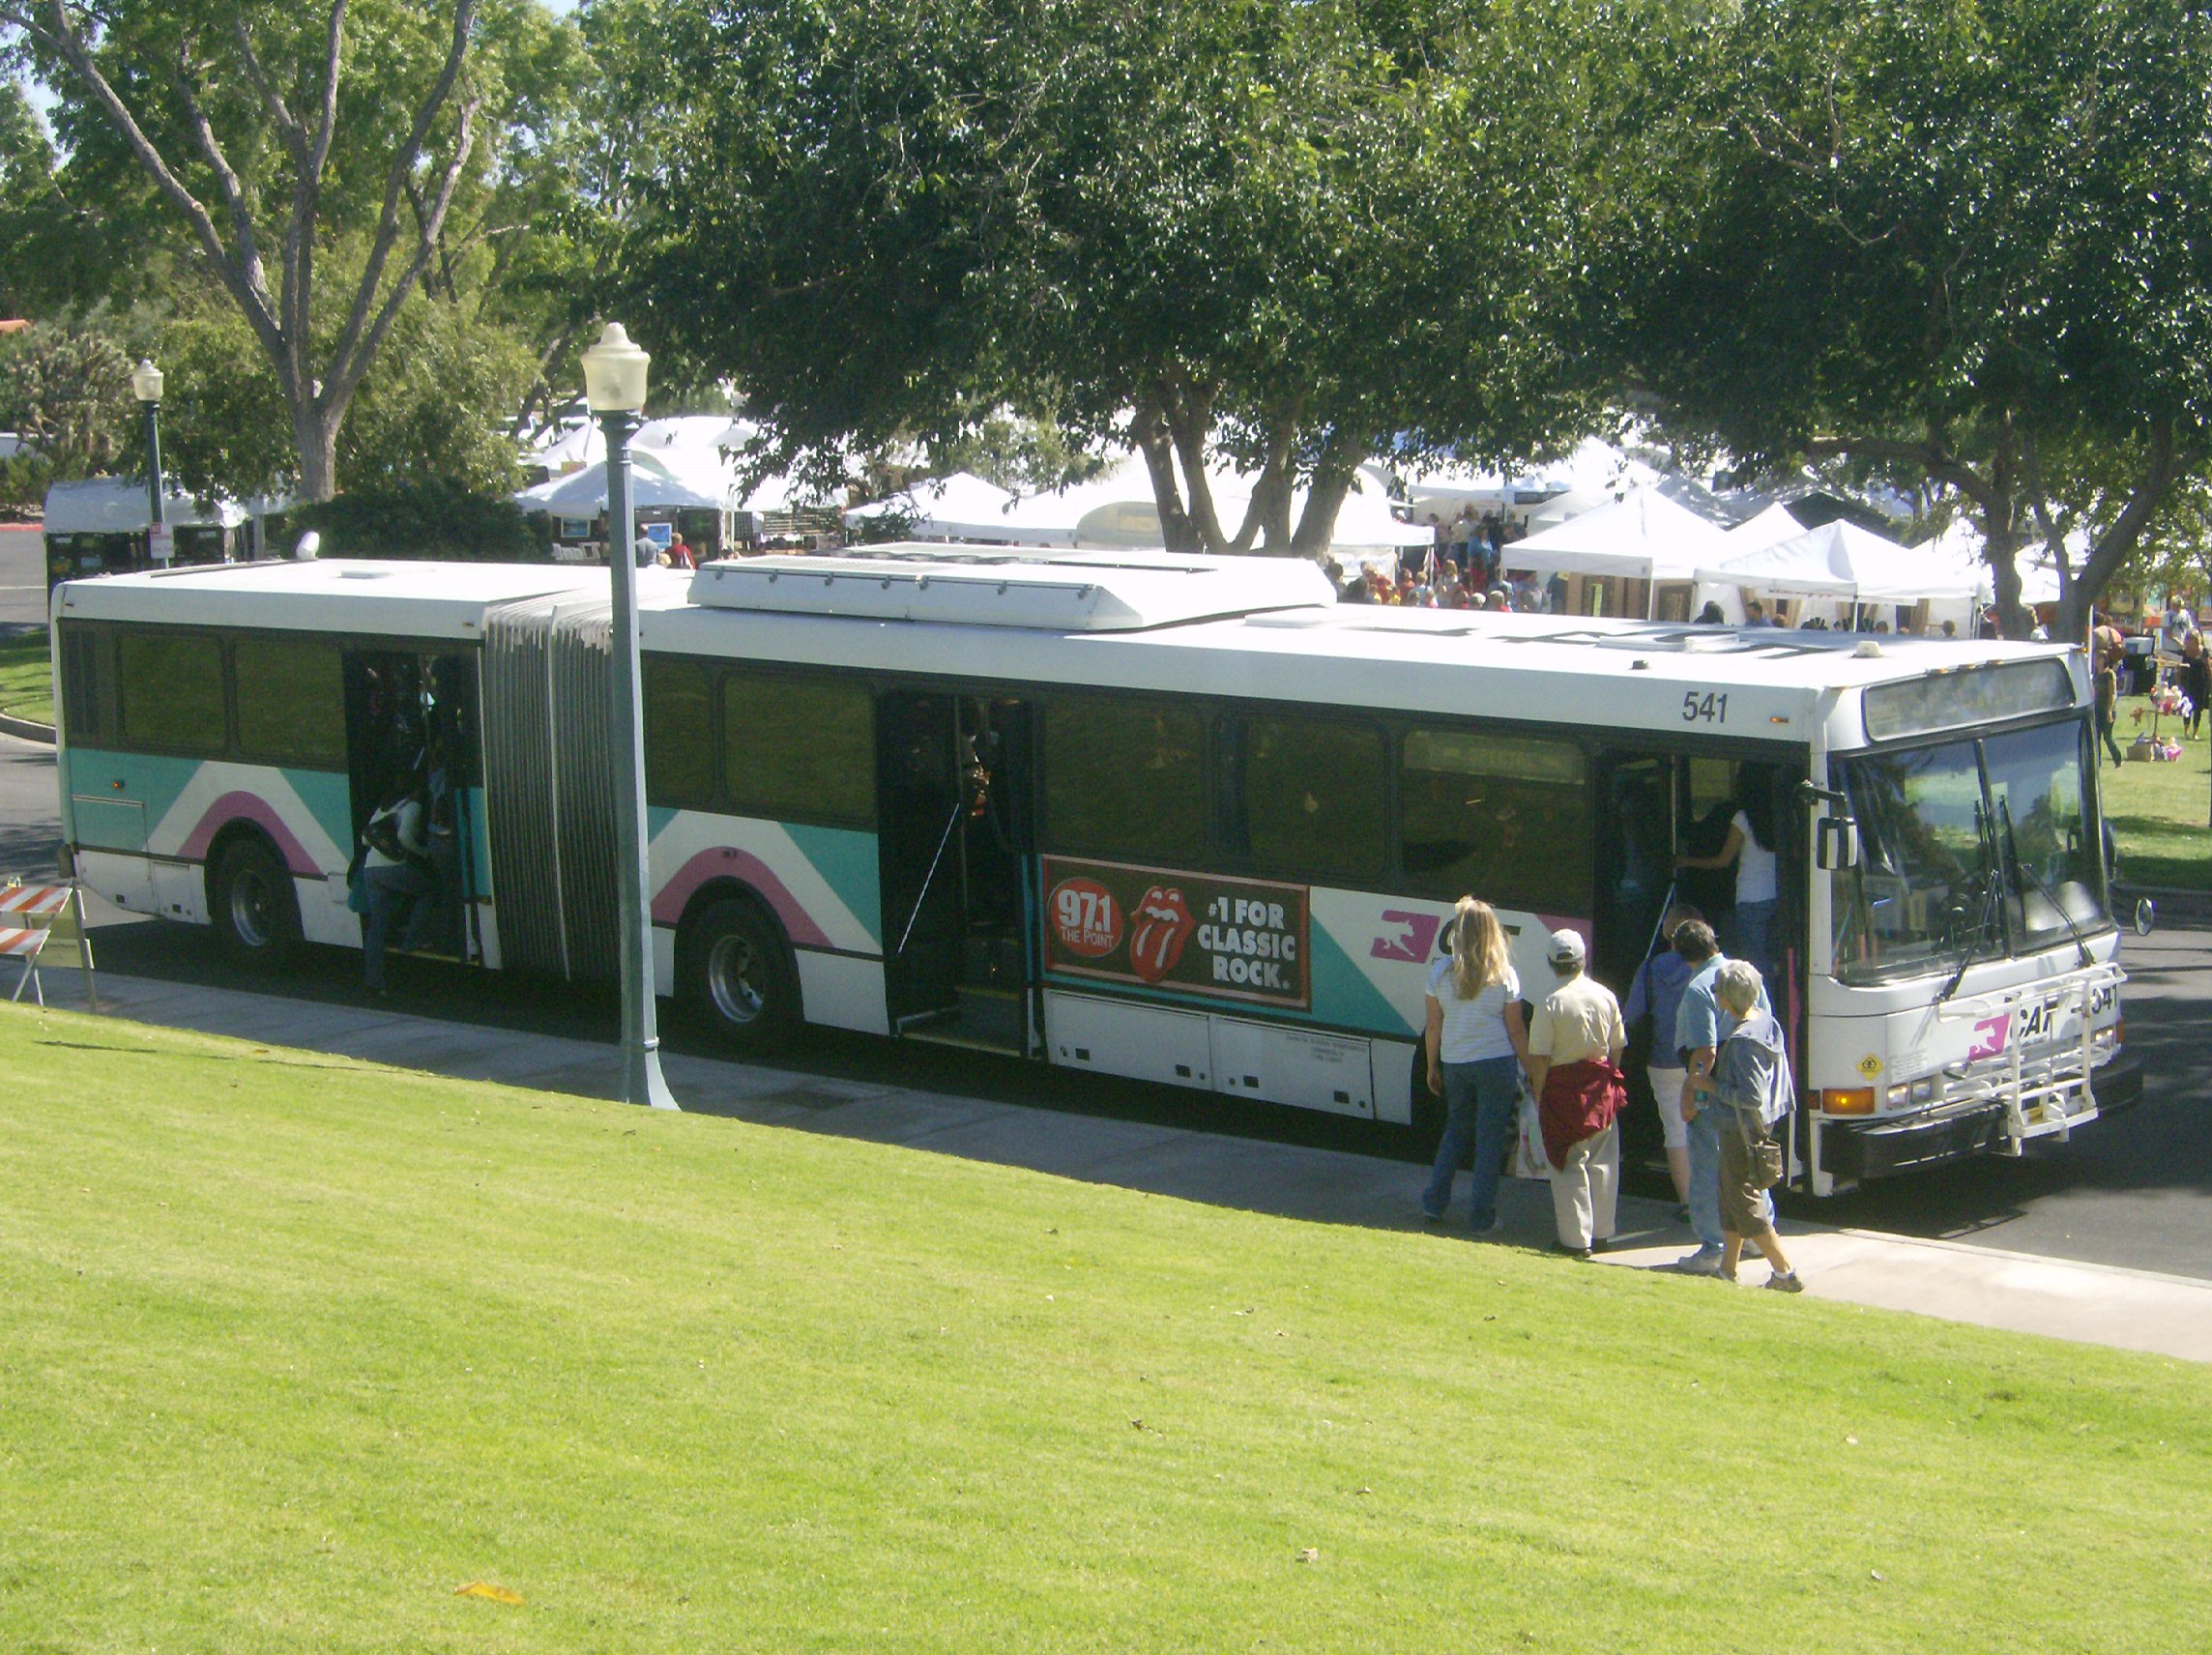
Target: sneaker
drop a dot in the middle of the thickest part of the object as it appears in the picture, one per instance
(1789, 1283)
(1728, 1276)
(1571, 1252)
(1428, 1217)
(1603, 1244)
(1490, 1228)
(1705, 1262)
(1682, 1213)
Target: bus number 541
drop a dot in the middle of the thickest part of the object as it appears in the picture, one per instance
(1706, 709)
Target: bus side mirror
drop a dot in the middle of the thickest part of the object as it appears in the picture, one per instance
(1835, 843)
(2146, 915)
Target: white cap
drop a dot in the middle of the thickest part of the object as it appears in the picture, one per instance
(1566, 948)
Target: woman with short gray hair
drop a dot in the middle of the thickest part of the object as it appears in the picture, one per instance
(1750, 1080)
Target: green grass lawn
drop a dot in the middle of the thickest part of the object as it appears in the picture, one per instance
(2159, 811)
(26, 676)
(296, 1346)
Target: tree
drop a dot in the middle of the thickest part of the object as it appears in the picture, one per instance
(281, 134)
(65, 390)
(1967, 240)
(1274, 233)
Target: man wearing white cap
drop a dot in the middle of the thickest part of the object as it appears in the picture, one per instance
(1575, 1042)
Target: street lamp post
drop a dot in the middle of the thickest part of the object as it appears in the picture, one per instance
(613, 384)
(146, 385)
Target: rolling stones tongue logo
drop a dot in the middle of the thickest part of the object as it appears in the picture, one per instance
(1163, 926)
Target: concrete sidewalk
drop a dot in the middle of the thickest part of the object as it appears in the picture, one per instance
(2132, 1310)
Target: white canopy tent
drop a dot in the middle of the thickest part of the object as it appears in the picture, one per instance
(1643, 536)
(1842, 561)
(660, 480)
(1770, 527)
(120, 505)
(961, 507)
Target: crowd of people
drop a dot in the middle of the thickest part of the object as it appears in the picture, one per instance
(1719, 1073)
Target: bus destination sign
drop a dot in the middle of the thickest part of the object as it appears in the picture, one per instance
(1199, 934)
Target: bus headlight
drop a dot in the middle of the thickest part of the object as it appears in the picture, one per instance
(1847, 1100)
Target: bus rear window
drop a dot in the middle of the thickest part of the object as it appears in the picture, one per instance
(1124, 779)
(291, 703)
(796, 749)
(1503, 817)
(171, 692)
(80, 688)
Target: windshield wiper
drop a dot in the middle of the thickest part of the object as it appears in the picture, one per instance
(1991, 888)
(2019, 870)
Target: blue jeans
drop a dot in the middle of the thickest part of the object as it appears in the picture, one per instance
(1705, 1177)
(1478, 1104)
(392, 889)
(1751, 937)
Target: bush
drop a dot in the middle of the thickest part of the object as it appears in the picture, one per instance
(428, 520)
(23, 480)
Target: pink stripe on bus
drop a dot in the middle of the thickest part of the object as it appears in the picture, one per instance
(726, 862)
(251, 807)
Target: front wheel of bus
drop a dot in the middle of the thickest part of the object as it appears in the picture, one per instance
(740, 975)
(256, 909)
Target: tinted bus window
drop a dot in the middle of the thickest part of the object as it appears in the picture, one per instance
(171, 692)
(1312, 797)
(1124, 779)
(81, 716)
(679, 733)
(1503, 817)
(796, 749)
(291, 703)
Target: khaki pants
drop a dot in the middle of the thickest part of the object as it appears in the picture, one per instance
(1583, 1190)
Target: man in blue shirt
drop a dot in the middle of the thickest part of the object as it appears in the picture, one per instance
(1701, 1024)
(1656, 991)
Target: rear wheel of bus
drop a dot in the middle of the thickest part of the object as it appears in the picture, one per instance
(255, 909)
(739, 975)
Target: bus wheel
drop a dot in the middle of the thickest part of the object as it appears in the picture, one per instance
(257, 909)
(740, 975)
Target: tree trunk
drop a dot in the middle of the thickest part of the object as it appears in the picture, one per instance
(1317, 523)
(1178, 533)
(315, 433)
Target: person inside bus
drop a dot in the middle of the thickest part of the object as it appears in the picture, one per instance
(1749, 850)
(1476, 1041)
(1575, 1042)
(1656, 992)
(1750, 1091)
(435, 923)
(394, 871)
(1701, 1024)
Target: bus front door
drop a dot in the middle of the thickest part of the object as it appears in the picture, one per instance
(953, 835)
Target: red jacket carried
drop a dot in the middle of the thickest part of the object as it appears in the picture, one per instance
(1580, 1100)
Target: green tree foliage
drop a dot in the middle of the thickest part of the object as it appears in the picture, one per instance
(65, 390)
(1970, 240)
(1293, 230)
(325, 163)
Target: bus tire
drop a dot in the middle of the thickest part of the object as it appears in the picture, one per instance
(1429, 1111)
(739, 975)
(254, 905)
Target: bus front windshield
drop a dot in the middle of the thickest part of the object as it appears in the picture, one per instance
(1970, 848)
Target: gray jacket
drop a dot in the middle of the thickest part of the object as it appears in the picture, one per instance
(1751, 1071)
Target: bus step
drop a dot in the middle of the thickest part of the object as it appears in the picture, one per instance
(944, 1036)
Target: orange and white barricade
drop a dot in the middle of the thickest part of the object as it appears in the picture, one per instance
(27, 916)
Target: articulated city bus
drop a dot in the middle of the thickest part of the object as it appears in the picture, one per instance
(1179, 819)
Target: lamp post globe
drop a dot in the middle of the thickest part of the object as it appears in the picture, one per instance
(613, 384)
(146, 386)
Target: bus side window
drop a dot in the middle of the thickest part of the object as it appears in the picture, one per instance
(171, 692)
(679, 733)
(83, 718)
(799, 750)
(1503, 816)
(1311, 796)
(291, 703)
(1124, 779)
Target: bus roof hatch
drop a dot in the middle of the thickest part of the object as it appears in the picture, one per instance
(1051, 591)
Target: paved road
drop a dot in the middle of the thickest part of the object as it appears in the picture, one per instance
(22, 574)
(2134, 1191)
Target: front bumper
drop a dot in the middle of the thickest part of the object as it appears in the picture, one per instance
(1874, 1149)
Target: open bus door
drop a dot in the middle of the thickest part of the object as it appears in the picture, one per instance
(953, 835)
(411, 725)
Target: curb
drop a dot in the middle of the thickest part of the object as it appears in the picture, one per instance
(26, 729)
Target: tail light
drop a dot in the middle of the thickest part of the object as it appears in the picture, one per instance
(1847, 1100)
